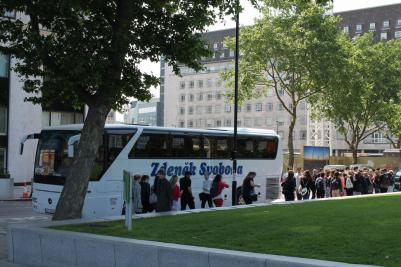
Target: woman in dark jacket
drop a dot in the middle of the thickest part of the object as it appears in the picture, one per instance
(306, 184)
(289, 187)
(163, 192)
(145, 193)
(248, 189)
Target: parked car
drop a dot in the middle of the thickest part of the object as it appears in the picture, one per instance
(335, 167)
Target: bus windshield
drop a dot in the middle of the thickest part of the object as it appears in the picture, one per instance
(52, 154)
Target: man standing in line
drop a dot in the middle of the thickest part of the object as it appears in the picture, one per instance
(298, 176)
(186, 191)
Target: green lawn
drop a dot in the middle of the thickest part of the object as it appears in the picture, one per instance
(365, 231)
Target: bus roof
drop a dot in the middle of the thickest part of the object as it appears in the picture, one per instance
(78, 127)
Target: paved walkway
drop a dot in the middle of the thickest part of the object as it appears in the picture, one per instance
(15, 212)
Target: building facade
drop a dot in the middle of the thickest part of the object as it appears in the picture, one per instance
(147, 113)
(19, 118)
(199, 100)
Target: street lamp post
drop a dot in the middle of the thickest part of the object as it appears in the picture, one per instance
(234, 152)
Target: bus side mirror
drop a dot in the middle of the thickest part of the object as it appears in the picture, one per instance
(30, 136)
(71, 142)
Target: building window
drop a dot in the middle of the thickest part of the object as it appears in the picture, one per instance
(199, 110)
(209, 123)
(3, 156)
(258, 107)
(210, 96)
(199, 123)
(216, 46)
(217, 109)
(386, 24)
(4, 65)
(182, 97)
(191, 84)
(200, 97)
(217, 82)
(182, 85)
(269, 121)
(232, 53)
(399, 22)
(248, 107)
(190, 110)
(239, 108)
(259, 122)
(270, 92)
(190, 124)
(280, 107)
(359, 27)
(281, 92)
(181, 124)
(383, 36)
(191, 97)
(218, 96)
(248, 122)
(397, 34)
(372, 25)
(227, 108)
(182, 111)
(209, 109)
(209, 83)
(218, 123)
(3, 121)
(200, 84)
(227, 123)
(302, 135)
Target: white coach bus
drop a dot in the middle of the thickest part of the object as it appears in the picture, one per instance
(144, 150)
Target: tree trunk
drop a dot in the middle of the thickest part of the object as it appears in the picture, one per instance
(354, 151)
(73, 195)
(291, 141)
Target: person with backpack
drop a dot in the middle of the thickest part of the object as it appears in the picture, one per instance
(320, 186)
(289, 186)
(248, 189)
(306, 184)
(216, 190)
(349, 185)
(186, 191)
(335, 185)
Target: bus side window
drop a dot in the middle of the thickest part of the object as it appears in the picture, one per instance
(245, 147)
(217, 147)
(151, 145)
(178, 146)
(194, 146)
(266, 148)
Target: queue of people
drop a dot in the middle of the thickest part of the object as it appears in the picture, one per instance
(334, 183)
(174, 194)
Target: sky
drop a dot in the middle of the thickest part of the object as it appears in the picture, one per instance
(249, 14)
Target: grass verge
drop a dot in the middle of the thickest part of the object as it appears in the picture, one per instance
(364, 230)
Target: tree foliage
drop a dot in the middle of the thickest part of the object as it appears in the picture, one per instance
(293, 48)
(359, 99)
(87, 52)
